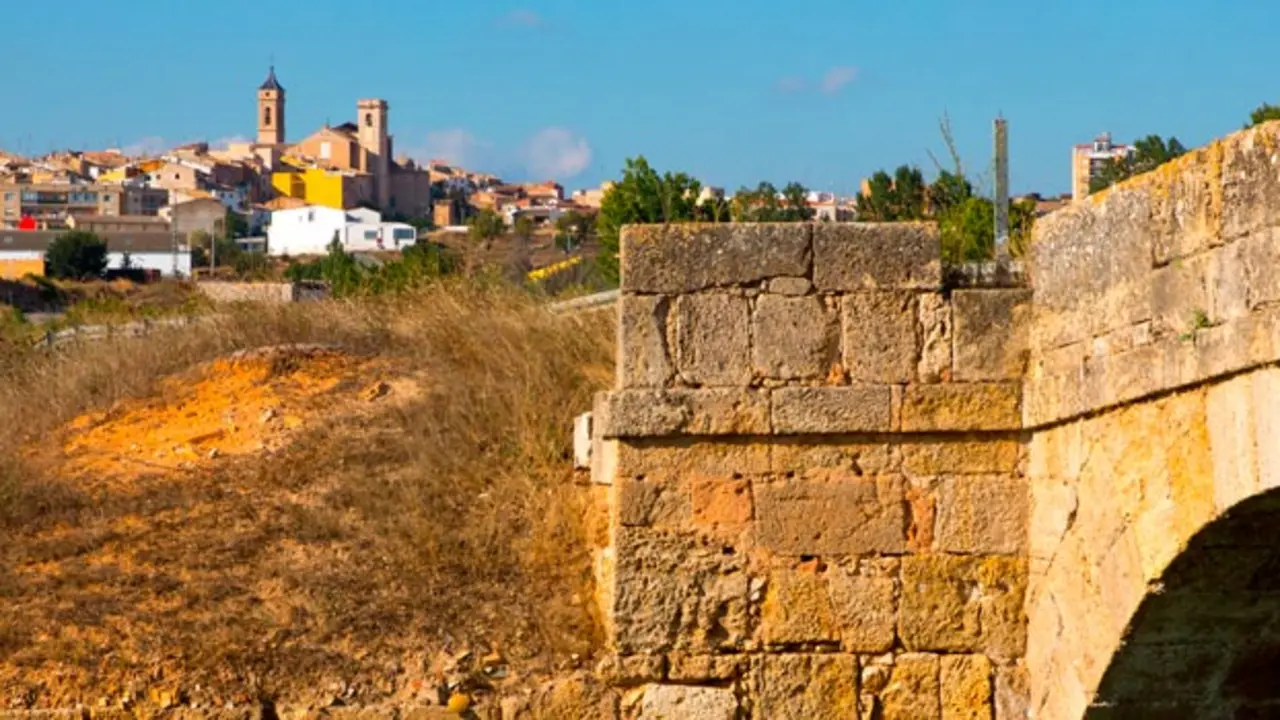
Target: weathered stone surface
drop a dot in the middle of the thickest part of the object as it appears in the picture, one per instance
(1260, 255)
(790, 286)
(793, 337)
(847, 516)
(912, 692)
(879, 336)
(645, 501)
(687, 257)
(687, 702)
(864, 603)
(966, 687)
(629, 670)
(643, 356)
(963, 604)
(577, 696)
(658, 413)
(674, 593)
(823, 410)
(935, 321)
(683, 667)
(720, 502)
(962, 407)
(1012, 692)
(1250, 176)
(682, 455)
(713, 345)
(1180, 300)
(990, 333)
(807, 687)
(960, 456)
(982, 514)
(818, 454)
(860, 256)
(797, 609)
(1187, 212)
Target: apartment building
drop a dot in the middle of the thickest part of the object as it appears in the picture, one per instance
(51, 205)
(1087, 159)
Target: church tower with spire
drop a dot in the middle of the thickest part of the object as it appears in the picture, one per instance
(271, 110)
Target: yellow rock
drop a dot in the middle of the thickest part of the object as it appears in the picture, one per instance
(459, 702)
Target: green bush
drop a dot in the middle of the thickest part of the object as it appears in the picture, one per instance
(76, 255)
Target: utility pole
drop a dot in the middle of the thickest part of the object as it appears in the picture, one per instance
(173, 229)
(1002, 188)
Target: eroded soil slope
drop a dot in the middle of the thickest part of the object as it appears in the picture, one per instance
(309, 526)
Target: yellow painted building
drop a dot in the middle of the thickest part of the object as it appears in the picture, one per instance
(19, 267)
(318, 186)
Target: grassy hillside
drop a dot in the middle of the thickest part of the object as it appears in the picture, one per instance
(304, 525)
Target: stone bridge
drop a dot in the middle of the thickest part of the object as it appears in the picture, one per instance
(846, 481)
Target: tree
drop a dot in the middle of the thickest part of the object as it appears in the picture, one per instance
(235, 226)
(967, 231)
(642, 196)
(573, 230)
(76, 255)
(524, 228)
(484, 227)
(1264, 113)
(1148, 154)
(893, 198)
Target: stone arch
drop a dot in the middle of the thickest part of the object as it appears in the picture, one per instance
(1205, 641)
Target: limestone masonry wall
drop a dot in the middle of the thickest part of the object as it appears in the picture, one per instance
(1156, 407)
(817, 477)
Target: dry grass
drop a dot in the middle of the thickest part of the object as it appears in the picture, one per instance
(440, 517)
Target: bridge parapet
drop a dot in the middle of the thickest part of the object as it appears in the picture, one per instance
(816, 469)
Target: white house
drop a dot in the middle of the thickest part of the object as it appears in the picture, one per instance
(309, 231)
(145, 250)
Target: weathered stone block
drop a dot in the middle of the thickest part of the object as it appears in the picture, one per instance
(935, 320)
(850, 516)
(912, 692)
(863, 256)
(879, 336)
(687, 257)
(650, 501)
(678, 456)
(961, 456)
(683, 667)
(962, 407)
(1250, 176)
(1180, 301)
(643, 358)
(657, 413)
(815, 455)
(1187, 204)
(965, 681)
(963, 604)
(824, 410)
(630, 670)
(1260, 254)
(793, 337)
(713, 345)
(990, 333)
(797, 609)
(864, 601)
(675, 593)
(1012, 693)
(672, 702)
(807, 687)
(982, 514)
(720, 502)
(790, 286)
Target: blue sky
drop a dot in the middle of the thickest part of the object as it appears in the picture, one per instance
(733, 91)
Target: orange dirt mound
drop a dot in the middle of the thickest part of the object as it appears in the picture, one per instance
(236, 406)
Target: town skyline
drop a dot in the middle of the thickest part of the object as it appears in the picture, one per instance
(823, 103)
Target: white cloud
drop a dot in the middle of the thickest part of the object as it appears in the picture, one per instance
(838, 77)
(151, 145)
(523, 18)
(456, 146)
(556, 152)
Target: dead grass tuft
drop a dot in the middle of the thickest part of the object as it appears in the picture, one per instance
(423, 502)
